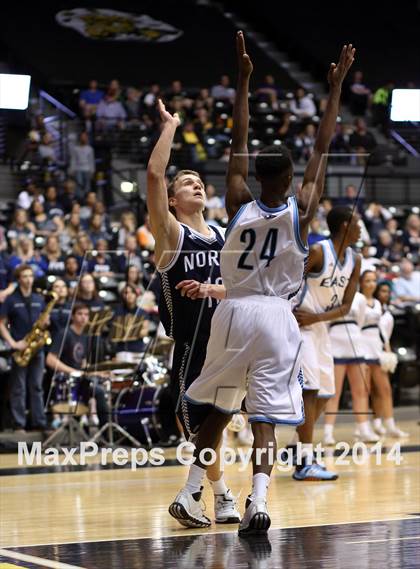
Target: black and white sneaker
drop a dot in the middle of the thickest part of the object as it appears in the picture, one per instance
(225, 509)
(188, 509)
(256, 520)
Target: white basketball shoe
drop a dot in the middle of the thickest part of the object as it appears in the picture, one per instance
(256, 519)
(225, 509)
(189, 509)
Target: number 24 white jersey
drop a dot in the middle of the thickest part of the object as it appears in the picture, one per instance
(263, 253)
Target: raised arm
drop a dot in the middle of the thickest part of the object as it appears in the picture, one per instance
(164, 226)
(237, 192)
(314, 177)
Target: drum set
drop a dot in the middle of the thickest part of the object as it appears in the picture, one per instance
(133, 391)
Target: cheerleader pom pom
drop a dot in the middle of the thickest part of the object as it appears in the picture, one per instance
(389, 361)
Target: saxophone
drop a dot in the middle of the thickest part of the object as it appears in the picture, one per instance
(38, 336)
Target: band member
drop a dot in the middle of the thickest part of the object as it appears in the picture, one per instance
(130, 323)
(60, 314)
(69, 353)
(18, 314)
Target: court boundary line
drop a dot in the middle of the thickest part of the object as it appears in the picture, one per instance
(190, 533)
(42, 561)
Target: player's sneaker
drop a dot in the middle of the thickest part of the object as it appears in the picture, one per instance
(256, 519)
(225, 509)
(314, 473)
(396, 433)
(378, 427)
(187, 508)
(369, 436)
(328, 440)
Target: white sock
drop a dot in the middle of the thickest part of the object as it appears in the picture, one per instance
(195, 479)
(390, 424)
(328, 429)
(377, 423)
(219, 486)
(260, 484)
(364, 428)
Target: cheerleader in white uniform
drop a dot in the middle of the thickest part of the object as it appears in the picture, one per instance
(386, 326)
(375, 344)
(349, 360)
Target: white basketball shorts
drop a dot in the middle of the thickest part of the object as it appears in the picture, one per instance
(253, 352)
(317, 360)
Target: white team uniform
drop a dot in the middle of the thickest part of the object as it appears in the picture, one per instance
(371, 333)
(346, 335)
(254, 346)
(322, 292)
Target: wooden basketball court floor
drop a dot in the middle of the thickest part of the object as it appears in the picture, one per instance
(95, 517)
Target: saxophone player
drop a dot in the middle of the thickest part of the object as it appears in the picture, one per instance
(18, 314)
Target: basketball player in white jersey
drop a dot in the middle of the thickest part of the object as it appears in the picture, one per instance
(186, 247)
(254, 343)
(332, 278)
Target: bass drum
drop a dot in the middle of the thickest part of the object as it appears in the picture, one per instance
(137, 410)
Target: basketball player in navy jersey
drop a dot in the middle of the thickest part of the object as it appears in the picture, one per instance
(254, 344)
(186, 248)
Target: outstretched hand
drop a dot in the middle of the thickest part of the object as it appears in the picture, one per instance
(166, 117)
(337, 72)
(244, 62)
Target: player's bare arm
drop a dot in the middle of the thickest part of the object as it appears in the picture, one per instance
(237, 192)
(314, 177)
(194, 290)
(164, 226)
(305, 318)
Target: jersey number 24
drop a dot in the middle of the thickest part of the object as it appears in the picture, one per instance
(268, 250)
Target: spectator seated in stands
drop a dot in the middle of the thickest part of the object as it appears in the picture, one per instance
(25, 254)
(20, 227)
(192, 143)
(361, 141)
(53, 256)
(375, 218)
(90, 98)
(369, 261)
(52, 204)
(384, 247)
(150, 98)
(129, 255)
(130, 324)
(46, 149)
(352, 199)
(303, 143)
(145, 237)
(101, 262)
(214, 205)
(359, 95)
(82, 165)
(411, 234)
(81, 248)
(176, 91)
(128, 225)
(134, 278)
(26, 197)
(71, 272)
(407, 286)
(269, 92)
(86, 210)
(340, 143)
(223, 91)
(132, 104)
(97, 229)
(381, 102)
(87, 293)
(110, 112)
(302, 105)
(67, 196)
(43, 224)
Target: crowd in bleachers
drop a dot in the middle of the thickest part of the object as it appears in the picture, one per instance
(61, 228)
